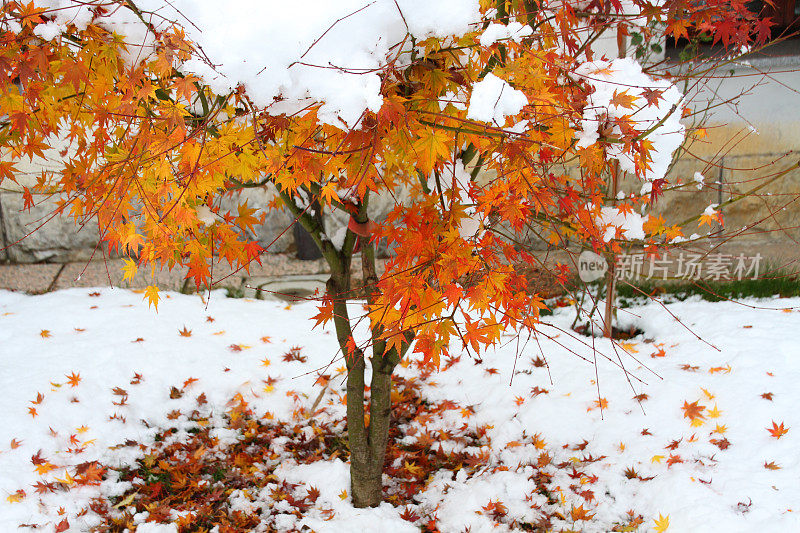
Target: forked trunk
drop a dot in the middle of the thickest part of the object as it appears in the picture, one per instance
(367, 439)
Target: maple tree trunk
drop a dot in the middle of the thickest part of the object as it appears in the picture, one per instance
(367, 436)
(368, 449)
(368, 440)
(611, 287)
(611, 283)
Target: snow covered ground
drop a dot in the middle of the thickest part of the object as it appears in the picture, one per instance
(699, 445)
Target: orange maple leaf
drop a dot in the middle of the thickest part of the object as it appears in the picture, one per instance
(325, 313)
(777, 431)
(73, 379)
(659, 353)
(693, 410)
(623, 99)
(16, 497)
(579, 513)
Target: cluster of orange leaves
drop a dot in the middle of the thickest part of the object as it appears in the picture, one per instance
(149, 152)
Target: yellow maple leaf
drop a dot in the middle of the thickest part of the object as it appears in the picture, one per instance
(328, 193)
(343, 495)
(151, 293)
(68, 479)
(432, 146)
(16, 497)
(656, 458)
(129, 270)
(662, 523)
(629, 347)
(713, 413)
(412, 468)
(44, 468)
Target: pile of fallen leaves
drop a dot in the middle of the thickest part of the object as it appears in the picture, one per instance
(214, 471)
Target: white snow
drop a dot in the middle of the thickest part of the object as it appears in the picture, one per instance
(711, 210)
(629, 223)
(711, 489)
(290, 54)
(618, 76)
(699, 179)
(493, 99)
(496, 32)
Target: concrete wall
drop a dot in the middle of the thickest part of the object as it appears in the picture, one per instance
(747, 144)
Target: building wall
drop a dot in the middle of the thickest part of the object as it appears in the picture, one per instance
(747, 145)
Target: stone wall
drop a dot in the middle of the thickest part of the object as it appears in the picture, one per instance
(39, 235)
(744, 147)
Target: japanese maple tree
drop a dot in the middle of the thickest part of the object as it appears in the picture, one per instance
(475, 122)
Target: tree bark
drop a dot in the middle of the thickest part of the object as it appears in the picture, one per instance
(367, 440)
(368, 448)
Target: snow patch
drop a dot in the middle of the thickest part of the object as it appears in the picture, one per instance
(493, 99)
(662, 117)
